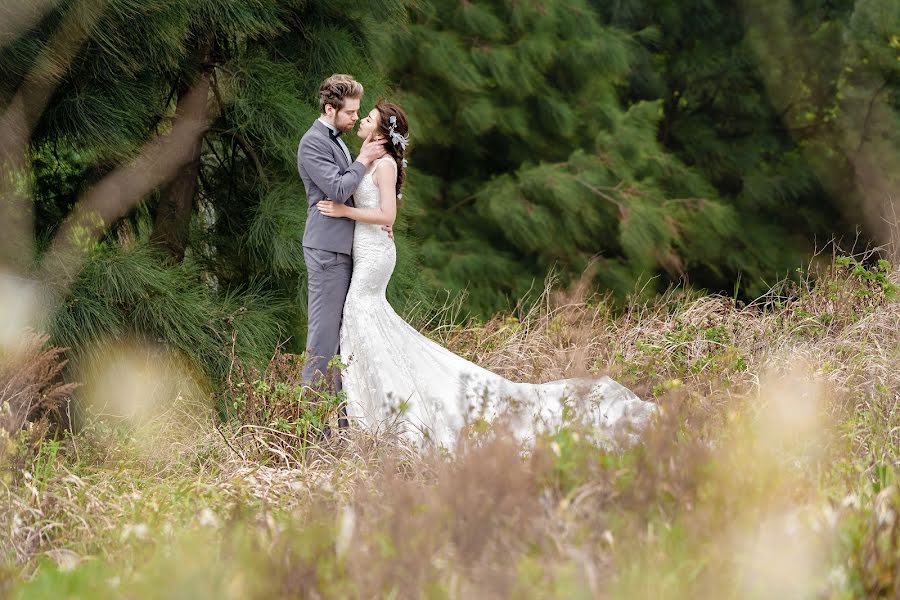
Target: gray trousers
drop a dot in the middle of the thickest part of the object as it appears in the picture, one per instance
(328, 276)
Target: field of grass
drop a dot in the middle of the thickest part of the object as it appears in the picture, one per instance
(770, 472)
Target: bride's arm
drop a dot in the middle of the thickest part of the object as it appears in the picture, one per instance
(385, 177)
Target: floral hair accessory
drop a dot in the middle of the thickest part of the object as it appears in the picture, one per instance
(404, 163)
(399, 140)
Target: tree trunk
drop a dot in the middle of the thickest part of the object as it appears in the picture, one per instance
(173, 215)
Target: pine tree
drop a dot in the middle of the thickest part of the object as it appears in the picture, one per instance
(213, 253)
(526, 159)
(759, 98)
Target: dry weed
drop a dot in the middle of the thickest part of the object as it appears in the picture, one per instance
(30, 384)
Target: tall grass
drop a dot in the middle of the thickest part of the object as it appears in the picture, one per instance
(127, 291)
(770, 472)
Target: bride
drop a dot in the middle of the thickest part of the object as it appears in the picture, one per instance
(395, 375)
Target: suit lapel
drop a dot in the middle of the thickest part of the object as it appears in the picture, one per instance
(339, 156)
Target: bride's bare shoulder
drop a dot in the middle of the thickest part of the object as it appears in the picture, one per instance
(385, 167)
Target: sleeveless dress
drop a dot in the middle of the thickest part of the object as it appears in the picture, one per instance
(399, 379)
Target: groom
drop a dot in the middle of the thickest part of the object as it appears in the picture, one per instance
(328, 171)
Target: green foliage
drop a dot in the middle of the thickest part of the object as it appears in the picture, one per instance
(45, 463)
(311, 420)
(489, 87)
(703, 142)
(781, 106)
(536, 162)
(243, 278)
(873, 279)
(284, 417)
(130, 292)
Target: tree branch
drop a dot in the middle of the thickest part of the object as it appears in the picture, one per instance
(246, 147)
(117, 193)
(18, 122)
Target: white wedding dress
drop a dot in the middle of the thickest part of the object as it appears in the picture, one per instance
(399, 379)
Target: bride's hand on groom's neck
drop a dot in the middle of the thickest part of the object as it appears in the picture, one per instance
(371, 150)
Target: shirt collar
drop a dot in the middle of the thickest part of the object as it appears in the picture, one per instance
(330, 127)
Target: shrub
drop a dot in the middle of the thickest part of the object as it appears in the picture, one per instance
(127, 290)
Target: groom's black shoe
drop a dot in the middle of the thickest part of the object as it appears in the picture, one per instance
(343, 422)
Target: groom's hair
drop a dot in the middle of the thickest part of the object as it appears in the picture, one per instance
(336, 88)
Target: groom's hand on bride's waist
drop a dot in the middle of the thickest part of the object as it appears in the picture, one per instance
(330, 208)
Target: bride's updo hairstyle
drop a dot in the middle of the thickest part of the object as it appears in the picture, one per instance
(394, 126)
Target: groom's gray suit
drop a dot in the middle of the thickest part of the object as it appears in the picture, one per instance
(327, 172)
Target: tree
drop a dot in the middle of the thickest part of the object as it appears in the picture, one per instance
(210, 258)
(764, 98)
(525, 158)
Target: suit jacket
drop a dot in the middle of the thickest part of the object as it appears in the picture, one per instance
(326, 173)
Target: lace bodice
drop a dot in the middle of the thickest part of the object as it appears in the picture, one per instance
(366, 195)
(374, 254)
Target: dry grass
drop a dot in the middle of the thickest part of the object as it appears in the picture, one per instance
(32, 396)
(274, 416)
(30, 385)
(771, 472)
